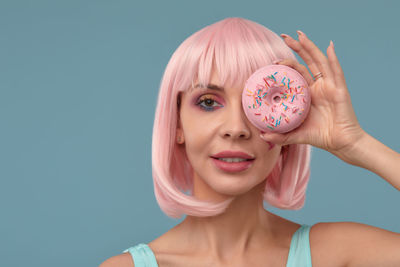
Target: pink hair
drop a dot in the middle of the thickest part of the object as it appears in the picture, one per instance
(236, 47)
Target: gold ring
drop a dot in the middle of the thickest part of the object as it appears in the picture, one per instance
(318, 75)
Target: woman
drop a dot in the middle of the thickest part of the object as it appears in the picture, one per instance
(200, 124)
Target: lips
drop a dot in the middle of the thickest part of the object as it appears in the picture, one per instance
(232, 166)
(232, 154)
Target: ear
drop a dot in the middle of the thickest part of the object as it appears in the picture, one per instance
(179, 136)
(179, 132)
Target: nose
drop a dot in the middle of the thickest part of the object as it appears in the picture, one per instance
(236, 125)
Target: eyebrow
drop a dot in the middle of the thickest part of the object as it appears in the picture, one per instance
(209, 86)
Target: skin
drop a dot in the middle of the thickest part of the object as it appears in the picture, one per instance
(207, 128)
(331, 123)
(246, 234)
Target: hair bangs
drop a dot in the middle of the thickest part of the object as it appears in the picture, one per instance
(235, 50)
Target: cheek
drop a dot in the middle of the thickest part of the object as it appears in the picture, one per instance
(268, 155)
(198, 127)
(196, 137)
(270, 159)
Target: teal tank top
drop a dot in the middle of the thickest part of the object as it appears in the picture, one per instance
(299, 252)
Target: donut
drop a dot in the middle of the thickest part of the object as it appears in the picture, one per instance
(276, 98)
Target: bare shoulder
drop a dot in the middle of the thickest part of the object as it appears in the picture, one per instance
(121, 260)
(326, 245)
(353, 244)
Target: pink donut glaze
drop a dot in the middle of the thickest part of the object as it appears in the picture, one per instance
(276, 98)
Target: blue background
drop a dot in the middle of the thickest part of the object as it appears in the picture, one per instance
(78, 88)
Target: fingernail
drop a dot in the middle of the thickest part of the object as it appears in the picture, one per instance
(300, 33)
(284, 35)
(276, 61)
(331, 44)
(271, 145)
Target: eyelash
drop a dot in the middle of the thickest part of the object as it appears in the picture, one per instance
(202, 99)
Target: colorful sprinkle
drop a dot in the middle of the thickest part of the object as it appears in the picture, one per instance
(273, 77)
(265, 80)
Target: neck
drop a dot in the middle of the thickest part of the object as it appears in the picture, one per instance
(244, 226)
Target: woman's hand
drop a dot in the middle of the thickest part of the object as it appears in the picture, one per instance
(331, 123)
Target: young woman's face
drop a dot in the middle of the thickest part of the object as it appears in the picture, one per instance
(212, 121)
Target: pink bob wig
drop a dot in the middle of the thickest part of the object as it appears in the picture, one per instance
(236, 47)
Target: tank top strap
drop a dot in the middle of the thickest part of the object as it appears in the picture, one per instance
(142, 255)
(300, 252)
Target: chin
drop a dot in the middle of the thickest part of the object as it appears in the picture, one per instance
(234, 186)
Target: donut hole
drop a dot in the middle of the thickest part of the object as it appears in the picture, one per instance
(277, 99)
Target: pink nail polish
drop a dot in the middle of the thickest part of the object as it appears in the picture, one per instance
(284, 35)
(271, 145)
(300, 33)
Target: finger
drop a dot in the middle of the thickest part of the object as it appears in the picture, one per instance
(297, 47)
(318, 57)
(275, 138)
(336, 68)
(295, 136)
(299, 67)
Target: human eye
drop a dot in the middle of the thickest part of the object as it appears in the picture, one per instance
(207, 103)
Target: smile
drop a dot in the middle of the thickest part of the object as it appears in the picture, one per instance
(232, 164)
(232, 159)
